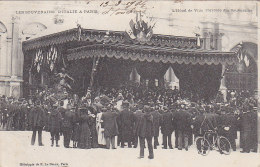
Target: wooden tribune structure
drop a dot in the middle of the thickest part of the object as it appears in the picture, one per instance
(113, 55)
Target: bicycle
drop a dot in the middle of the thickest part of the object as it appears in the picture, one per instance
(204, 145)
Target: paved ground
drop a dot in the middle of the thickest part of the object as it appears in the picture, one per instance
(15, 149)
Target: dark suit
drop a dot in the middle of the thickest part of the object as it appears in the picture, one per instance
(137, 117)
(156, 120)
(145, 130)
(183, 128)
(110, 127)
(38, 121)
(67, 123)
(228, 120)
(127, 124)
(167, 128)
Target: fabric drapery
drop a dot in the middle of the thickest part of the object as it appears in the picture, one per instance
(113, 72)
(198, 81)
(80, 71)
(151, 70)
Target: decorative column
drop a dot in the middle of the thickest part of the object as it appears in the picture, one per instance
(15, 69)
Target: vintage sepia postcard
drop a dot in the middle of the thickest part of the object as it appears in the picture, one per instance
(120, 83)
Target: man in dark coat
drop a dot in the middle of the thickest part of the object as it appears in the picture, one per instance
(67, 122)
(183, 127)
(137, 117)
(156, 120)
(54, 124)
(38, 121)
(75, 128)
(227, 125)
(23, 112)
(145, 130)
(167, 128)
(127, 123)
(248, 127)
(110, 126)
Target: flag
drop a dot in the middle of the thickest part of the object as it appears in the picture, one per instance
(131, 32)
(246, 61)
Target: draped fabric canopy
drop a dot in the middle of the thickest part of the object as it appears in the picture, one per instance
(198, 70)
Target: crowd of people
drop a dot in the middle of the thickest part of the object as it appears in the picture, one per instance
(133, 115)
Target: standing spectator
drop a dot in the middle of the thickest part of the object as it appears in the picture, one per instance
(137, 117)
(183, 128)
(92, 126)
(156, 120)
(227, 125)
(38, 121)
(67, 122)
(84, 138)
(100, 130)
(127, 122)
(110, 126)
(75, 128)
(54, 125)
(167, 128)
(145, 131)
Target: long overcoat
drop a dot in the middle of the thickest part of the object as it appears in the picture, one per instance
(156, 121)
(166, 123)
(84, 138)
(38, 117)
(146, 126)
(110, 124)
(127, 124)
(54, 121)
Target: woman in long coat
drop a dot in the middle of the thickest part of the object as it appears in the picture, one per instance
(84, 138)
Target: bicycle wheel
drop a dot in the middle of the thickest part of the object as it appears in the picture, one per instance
(224, 145)
(202, 145)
